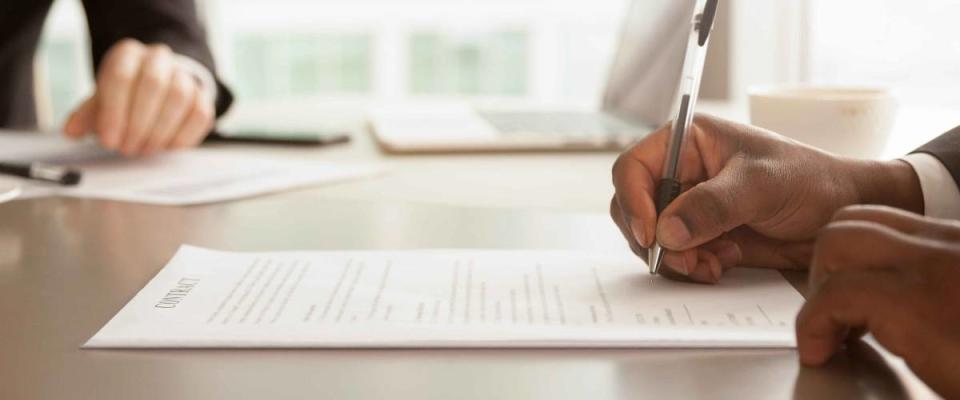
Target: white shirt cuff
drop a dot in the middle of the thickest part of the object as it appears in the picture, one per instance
(941, 197)
(203, 75)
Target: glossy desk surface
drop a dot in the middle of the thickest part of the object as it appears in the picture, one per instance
(68, 265)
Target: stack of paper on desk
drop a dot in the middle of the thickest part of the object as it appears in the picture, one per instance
(206, 298)
(180, 178)
(199, 176)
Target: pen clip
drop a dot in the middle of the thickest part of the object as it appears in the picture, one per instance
(705, 21)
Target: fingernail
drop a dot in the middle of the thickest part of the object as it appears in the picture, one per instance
(638, 232)
(730, 255)
(684, 268)
(716, 271)
(676, 262)
(674, 233)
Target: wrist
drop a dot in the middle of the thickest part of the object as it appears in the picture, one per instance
(891, 183)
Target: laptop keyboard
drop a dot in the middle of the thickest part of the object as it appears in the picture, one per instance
(564, 124)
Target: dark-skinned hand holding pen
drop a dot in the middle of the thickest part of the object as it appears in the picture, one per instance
(752, 198)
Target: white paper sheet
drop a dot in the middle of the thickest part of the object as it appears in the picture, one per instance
(201, 176)
(187, 177)
(445, 298)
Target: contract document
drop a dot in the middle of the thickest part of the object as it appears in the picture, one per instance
(445, 298)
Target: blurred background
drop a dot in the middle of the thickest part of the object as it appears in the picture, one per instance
(303, 55)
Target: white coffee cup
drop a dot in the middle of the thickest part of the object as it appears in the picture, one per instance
(850, 121)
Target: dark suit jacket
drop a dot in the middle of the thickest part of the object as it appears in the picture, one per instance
(946, 148)
(173, 22)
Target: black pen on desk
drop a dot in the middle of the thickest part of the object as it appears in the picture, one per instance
(43, 172)
(287, 138)
(669, 186)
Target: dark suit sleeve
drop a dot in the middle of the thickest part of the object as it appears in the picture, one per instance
(946, 148)
(172, 22)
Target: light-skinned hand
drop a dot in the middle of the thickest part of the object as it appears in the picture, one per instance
(145, 101)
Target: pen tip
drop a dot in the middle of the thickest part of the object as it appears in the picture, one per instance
(654, 257)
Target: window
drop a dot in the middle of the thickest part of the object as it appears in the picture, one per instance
(552, 51)
(279, 65)
(910, 46)
(397, 50)
(63, 91)
(491, 63)
(63, 61)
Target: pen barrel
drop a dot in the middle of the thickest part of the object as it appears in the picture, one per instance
(22, 170)
(667, 191)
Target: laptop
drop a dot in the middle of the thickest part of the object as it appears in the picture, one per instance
(639, 92)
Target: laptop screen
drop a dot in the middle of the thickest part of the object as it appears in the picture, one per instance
(645, 72)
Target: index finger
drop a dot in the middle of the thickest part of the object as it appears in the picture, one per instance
(634, 188)
(850, 301)
(638, 170)
(119, 71)
(901, 220)
(860, 245)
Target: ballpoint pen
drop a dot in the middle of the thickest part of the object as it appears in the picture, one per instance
(669, 187)
(42, 172)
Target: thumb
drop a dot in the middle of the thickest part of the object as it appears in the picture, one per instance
(709, 210)
(81, 120)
